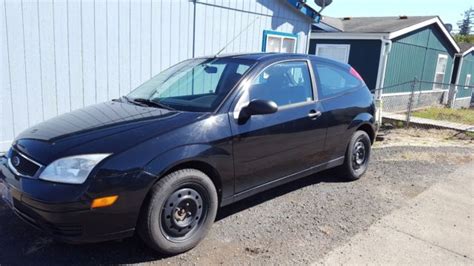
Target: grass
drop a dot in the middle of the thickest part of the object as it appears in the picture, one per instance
(463, 116)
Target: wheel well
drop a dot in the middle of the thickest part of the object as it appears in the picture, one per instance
(369, 130)
(210, 171)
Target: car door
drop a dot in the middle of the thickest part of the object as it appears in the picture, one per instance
(272, 146)
(343, 95)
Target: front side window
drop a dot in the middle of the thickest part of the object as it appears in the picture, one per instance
(335, 80)
(194, 85)
(440, 71)
(284, 83)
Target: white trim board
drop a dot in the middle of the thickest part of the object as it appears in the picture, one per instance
(468, 51)
(462, 98)
(407, 93)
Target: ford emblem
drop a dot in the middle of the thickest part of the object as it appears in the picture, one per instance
(15, 161)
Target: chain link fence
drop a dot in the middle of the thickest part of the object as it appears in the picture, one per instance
(423, 104)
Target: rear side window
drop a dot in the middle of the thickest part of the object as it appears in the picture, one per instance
(334, 80)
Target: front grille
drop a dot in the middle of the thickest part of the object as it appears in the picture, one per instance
(22, 165)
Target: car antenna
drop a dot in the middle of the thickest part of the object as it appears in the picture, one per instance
(240, 33)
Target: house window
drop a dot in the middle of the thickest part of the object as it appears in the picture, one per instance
(279, 42)
(440, 71)
(468, 81)
(338, 52)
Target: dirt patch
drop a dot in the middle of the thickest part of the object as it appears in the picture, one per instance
(424, 137)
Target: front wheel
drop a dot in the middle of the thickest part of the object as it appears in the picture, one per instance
(357, 156)
(180, 212)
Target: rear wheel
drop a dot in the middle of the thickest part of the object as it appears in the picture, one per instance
(357, 156)
(181, 210)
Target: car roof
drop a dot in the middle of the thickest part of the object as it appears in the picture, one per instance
(278, 56)
(263, 56)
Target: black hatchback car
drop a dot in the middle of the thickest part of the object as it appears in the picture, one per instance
(202, 134)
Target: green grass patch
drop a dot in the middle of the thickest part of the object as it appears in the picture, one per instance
(463, 116)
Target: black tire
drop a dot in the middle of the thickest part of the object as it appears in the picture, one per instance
(181, 209)
(357, 156)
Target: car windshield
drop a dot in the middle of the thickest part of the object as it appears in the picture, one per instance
(197, 85)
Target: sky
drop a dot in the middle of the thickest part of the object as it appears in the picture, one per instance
(449, 10)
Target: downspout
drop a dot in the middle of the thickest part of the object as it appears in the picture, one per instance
(194, 29)
(308, 38)
(385, 49)
(461, 61)
(454, 92)
(194, 41)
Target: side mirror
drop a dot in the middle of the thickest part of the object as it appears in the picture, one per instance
(257, 107)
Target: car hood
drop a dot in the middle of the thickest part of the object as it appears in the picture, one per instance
(108, 127)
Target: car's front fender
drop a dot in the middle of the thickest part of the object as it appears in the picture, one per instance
(219, 158)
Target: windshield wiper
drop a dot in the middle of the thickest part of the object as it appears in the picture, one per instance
(147, 102)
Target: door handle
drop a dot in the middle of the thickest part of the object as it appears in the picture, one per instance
(313, 114)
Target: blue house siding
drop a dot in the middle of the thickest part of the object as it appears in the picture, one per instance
(415, 55)
(364, 56)
(467, 67)
(61, 55)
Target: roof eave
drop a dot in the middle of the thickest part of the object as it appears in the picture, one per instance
(468, 51)
(389, 35)
(305, 9)
(435, 20)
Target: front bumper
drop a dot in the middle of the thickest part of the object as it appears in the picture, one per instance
(68, 221)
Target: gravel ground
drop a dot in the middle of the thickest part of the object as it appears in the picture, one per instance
(293, 224)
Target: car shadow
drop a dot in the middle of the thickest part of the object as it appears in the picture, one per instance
(328, 176)
(23, 245)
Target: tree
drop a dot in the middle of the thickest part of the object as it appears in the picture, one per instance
(464, 38)
(466, 24)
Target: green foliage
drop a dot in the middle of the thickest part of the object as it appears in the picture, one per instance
(463, 116)
(465, 25)
(464, 38)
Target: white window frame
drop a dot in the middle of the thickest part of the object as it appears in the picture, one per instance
(467, 82)
(282, 38)
(440, 56)
(347, 47)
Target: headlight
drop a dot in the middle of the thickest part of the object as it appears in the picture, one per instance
(72, 170)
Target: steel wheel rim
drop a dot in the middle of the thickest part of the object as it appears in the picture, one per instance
(183, 213)
(359, 155)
